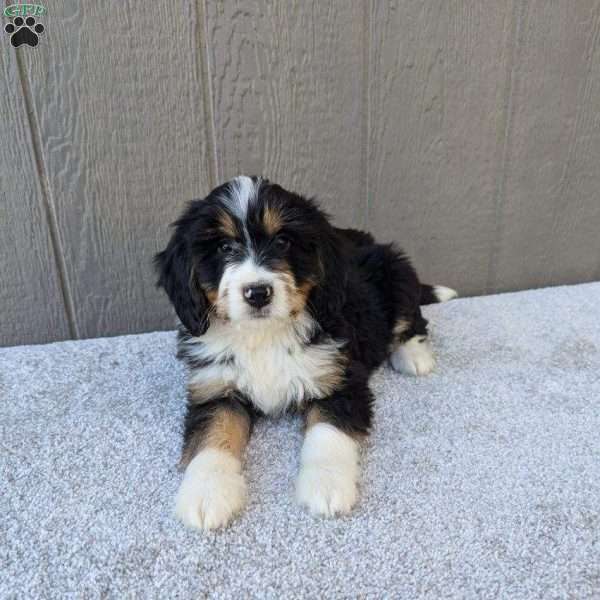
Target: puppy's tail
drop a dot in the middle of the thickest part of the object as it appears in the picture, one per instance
(431, 294)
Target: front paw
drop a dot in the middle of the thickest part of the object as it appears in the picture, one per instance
(212, 492)
(327, 483)
(327, 489)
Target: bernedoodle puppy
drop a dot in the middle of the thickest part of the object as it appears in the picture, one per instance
(279, 310)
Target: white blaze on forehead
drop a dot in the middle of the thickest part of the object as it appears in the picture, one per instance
(242, 191)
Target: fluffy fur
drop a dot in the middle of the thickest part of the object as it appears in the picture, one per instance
(281, 310)
(327, 483)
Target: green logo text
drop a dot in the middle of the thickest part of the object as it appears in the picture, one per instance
(24, 10)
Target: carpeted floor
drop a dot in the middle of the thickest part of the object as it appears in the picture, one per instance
(481, 480)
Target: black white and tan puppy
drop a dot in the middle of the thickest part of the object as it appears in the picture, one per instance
(279, 310)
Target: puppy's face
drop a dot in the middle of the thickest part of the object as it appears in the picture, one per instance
(250, 251)
(255, 251)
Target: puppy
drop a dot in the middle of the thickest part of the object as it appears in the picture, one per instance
(280, 310)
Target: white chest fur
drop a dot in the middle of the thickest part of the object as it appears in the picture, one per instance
(270, 361)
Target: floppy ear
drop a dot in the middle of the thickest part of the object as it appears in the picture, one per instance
(330, 295)
(176, 275)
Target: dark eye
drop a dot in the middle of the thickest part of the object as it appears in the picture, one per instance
(225, 247)
(282, 242)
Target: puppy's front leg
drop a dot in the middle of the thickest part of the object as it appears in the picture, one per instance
(329, 469)
(213, 489)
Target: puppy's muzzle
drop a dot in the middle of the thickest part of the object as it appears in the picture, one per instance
(258, 295)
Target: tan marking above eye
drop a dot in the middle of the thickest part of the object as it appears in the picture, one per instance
(272, 220)
(227, 224)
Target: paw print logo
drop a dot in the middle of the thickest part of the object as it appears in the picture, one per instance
(24, 31)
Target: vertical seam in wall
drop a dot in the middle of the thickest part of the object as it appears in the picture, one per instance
(366, 106)
(48, 201)
(505, 143)
(572, 139)
(207, 94)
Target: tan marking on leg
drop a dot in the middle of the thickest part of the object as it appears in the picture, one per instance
(315, 415)
(207, 390)
(398, 334)
(401, 326)
(228, 430)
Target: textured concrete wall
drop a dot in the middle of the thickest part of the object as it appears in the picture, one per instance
(468, 132)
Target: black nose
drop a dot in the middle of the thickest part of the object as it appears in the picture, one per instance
(258, 295)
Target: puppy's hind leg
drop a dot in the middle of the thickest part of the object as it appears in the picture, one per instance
(411, 351)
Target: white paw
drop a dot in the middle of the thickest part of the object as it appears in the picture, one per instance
(414, 357)
(327, 483)
(443, 293)
(213, 490)
(326, 490)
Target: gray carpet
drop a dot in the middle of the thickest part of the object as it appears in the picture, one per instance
(481, 480)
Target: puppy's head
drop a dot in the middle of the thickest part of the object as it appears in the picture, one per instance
(251, 251)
